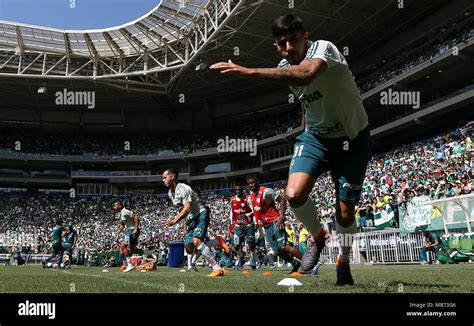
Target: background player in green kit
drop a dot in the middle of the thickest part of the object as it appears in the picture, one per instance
(69, 243)
(195, 215)
(130, 226)
(57, 246)
(336, 136)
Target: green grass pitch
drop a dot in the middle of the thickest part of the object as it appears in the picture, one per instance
(369, 279)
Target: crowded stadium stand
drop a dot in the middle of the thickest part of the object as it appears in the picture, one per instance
(157, 108)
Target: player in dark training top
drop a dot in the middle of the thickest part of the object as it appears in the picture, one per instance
(57, 246)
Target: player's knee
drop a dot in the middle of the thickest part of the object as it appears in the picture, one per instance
(190, 249)
(295, 196)
(345, 214)
(197, 242)
(345, 220)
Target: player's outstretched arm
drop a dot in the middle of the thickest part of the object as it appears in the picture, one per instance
(184, 212)
(302, 74)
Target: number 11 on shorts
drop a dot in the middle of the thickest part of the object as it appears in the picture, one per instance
(298, 150)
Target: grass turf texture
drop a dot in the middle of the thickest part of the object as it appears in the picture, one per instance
(369, 279)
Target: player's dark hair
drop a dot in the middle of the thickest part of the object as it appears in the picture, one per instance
(287, 24)
(59, 222)
(172, 171)
(238, 184)
(252, 176)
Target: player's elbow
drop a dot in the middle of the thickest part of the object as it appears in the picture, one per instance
(304, 80)
(308, 78)
(309, 71)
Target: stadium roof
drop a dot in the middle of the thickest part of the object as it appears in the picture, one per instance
(127, 56)
(168, 22)
(147, 54)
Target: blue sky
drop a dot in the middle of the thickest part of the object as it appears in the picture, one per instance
(87, 14)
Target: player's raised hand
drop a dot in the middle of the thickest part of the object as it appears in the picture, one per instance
(168, 222)
(230, 67)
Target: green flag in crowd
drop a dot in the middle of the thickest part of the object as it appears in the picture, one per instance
(384, 218)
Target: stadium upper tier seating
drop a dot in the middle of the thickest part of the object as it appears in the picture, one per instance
(41, 142)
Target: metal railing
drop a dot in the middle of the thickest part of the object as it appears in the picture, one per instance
(385, 246)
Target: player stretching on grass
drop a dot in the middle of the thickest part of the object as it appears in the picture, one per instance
(197, 218)
(215, 242)
(130, 226)
(336, 137)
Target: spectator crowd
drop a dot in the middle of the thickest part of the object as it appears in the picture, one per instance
(439, 167)
(42, 142)
(427, 52)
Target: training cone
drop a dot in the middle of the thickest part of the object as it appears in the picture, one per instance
(289, 282)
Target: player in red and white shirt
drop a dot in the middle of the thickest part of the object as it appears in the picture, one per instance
(241, 216)
(262, 201)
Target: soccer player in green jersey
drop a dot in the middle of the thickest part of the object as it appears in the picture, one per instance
(130, 227)
(196, 217)
(69, 243)
(57, 246)
(336, 136)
